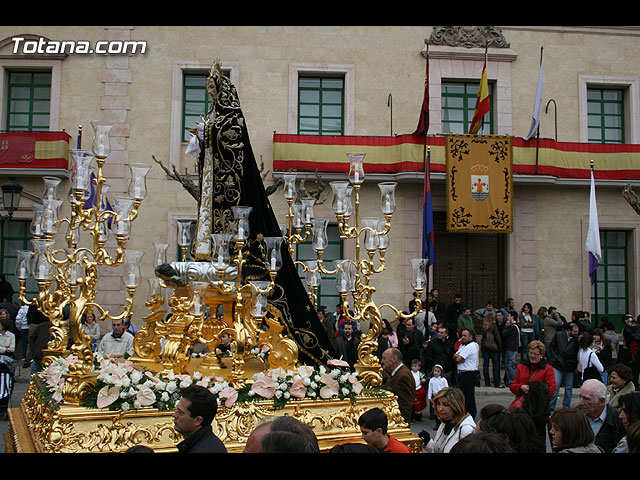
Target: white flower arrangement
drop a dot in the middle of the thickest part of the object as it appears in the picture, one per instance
(124, 385)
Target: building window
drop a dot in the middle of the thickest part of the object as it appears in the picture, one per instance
(327, 293)
(605, 107)
(28, 101)
(16, 235)
(196, 101)
(321, 105)
(609, 294)
(458, 105)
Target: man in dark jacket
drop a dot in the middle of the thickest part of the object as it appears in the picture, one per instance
(193, 417)
(563, 357)
(603, 418)
(440, 351)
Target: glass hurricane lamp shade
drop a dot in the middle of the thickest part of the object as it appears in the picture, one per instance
(160, 256)
(339, 201)
(307, 210)
(184, 233)
(383, 240)
(345, 276)
(371, 240)
(49, 223)
(419, 273)
(289, 185)
(348, 211)
(259, 300)
(241, 215)
(123, 207)
(356, 169)
(388, 199)
(312, 277)
(221, 254)
(80, 169)
(155, 288)
(23, 264)
(298, 215)
(50, 188)
(131, 275)
(319, 240)
(138, 184)
(199, 292)
(101, 142)
(36, 222)
(274, 253)
(41, 267)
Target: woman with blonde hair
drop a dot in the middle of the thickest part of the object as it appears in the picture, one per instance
(455, 424)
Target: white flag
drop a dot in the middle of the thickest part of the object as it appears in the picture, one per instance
(592, 244)
(537, 106)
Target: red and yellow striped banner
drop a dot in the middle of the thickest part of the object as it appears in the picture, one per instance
(404, 153)
(34, 150)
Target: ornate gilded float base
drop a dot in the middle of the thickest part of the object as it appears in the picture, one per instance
(35, 428)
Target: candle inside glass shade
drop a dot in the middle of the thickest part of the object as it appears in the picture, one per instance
(339, 201)
(371, 239)
(131, 275)
(289, 185)
(138, 184)
(80, 171)
(101, 140)
(221, 249)
(123, 207)
(388, 199)
(356, 168)
(319, 240)
(241, 215)
(274, 255)
(419, 273)
(345, 276)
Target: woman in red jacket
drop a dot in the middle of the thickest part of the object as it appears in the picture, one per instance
(530, 397)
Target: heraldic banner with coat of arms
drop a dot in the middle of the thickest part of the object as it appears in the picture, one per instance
(479, 184)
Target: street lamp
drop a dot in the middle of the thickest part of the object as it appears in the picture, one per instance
(10, 197)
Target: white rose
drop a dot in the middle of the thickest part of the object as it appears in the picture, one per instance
(197, 375)
(136, 377)
(164, 397)
(172, 387)
(185, 383)
(345, 391)
(125, 406)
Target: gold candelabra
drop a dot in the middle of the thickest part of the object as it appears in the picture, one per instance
(352, 275)
(206, 284)
(67, 278)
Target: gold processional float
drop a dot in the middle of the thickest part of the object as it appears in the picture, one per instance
(83, 402)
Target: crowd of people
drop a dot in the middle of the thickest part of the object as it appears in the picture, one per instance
(433, 362)
(536, 355)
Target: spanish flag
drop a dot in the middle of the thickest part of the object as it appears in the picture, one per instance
(482, 102)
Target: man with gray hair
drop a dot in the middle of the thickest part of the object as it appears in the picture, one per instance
(603, 418)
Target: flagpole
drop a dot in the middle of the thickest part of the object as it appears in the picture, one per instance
(538, 129)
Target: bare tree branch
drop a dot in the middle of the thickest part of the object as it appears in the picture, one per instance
(185, 180)
(631, 198)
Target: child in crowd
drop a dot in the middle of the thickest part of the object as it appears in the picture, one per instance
(420, 398)
(436, 383)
